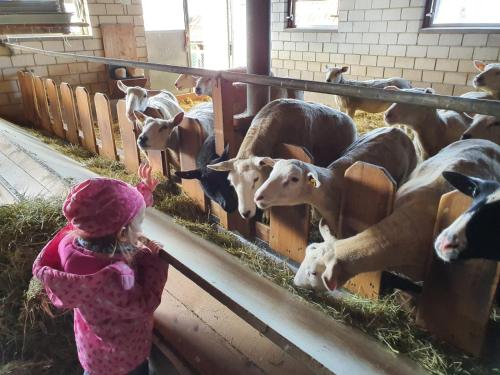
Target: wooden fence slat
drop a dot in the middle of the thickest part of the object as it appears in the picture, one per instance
(289, 226)
(42, 105)
(456, 300)
(157, 161)
(86, 119)
(54, 108)
(69, 118)
(28, 97)
(105, 124)
(367, 197)
(191, 139)
(130, 150)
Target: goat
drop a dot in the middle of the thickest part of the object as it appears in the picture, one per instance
(349, 104)
(139, 99)
(405, 237)
(474, 234)
(489, 78)
(435, 129)
(293, 182)
(185, 81)
(484, 127)
(323, 131)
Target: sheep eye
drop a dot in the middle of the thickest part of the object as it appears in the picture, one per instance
(295, 179)
(255, 179)
(145, 95)
(314, 273)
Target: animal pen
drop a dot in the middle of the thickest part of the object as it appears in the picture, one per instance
(469, 291)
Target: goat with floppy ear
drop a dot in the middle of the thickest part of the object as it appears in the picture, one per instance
(215, 184)
(158, 134)
(475, 233)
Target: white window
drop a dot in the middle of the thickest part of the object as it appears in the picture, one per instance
(462, 13)
(313, 14)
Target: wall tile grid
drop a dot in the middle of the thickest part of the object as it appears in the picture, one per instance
(381, 38)
(90, 75)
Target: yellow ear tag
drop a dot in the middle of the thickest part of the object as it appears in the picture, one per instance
(313, 181)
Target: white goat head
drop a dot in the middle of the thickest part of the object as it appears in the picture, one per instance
(185, 81)
(204, 86)
(474, 234)
(289, 184)
(246, 176)
(484, 127)
(309, 274)
(156, 133)
(136, 99)
(334, 75)
(489, 78)
(401, 113)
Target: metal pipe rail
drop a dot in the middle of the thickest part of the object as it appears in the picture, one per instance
(487, 107)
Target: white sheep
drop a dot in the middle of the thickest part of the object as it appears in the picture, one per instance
(293, 182)
(349, 104)
(484, 127)
(323, 131)
(435, 128)
(489, 78)
(139, 99)
(405, 237)
(185, 81)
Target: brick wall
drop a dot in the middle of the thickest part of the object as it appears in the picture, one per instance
(381, 38)
(90, 75)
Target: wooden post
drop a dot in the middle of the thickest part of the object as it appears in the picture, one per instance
(225, 134)
(105, 124)
(191, 140)
(130, 150)
(457, 297)
(69, 113)
(42, 105)
(28, 95)
(289, 226)
(55, 108)
(86, 119)
(367, 197)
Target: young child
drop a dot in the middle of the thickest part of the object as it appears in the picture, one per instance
(98, 266)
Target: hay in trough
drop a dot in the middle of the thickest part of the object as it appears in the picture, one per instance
(385, 320)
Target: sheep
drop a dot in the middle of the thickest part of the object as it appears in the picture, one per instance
(404, 238)
(474, 234)
(434, 128)
(185, 82)
(484, 127)
(323, 131)
(349, 104)
(139, 99)
(293, 182)
(489, 78)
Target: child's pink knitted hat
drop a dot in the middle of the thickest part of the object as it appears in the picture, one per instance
(100, 207)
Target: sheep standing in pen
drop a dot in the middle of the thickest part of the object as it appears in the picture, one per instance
(474, 234)
(323, 131)
(349, 104)
(293, 182)
(435, 128)
(404, 238)
(484, 127)
(488, 79)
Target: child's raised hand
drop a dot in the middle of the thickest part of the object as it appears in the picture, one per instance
(155, 247)
(146, 178)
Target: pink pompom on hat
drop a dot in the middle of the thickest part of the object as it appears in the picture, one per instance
(100, 207)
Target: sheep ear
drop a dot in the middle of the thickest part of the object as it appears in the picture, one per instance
(313, 178)
(141, 117)
(479, 65)
(391, 88)
(326, 68)
(429, 90)
(330, 276)
(468, 185)
(177, 119)
(225, 153)
(344, 69)
(223, 166)
(324, 230)
(121, 86)
(189, 175)
(264, 161)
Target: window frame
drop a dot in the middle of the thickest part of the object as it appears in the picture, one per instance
(290, 21)
(429, 12)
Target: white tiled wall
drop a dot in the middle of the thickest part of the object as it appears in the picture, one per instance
(381, 38)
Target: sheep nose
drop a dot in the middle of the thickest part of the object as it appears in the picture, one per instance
(449, 244)
(466, 136)
(245, 214)
(259, 198)
(197, 91)
(328, 80)
(141, 141)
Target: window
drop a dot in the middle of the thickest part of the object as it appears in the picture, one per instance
(313, 14)
(462, 13)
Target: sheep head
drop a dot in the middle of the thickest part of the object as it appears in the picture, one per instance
(185, 81)
(406, 114)
(484, 127)
(204, 86)
(156, 133)
(489, 77)
(334, 75)
(136, 99)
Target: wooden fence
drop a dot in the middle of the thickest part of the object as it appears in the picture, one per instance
(368, 198)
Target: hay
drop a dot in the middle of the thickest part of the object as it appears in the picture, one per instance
(188, 103)
(386, 320)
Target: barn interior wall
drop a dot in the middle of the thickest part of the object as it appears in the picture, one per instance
(382, 38)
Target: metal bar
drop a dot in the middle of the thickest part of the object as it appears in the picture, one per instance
(488, 107)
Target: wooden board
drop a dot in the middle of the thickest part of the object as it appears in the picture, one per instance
(28, 96)
(55, 108)
(157, 161)
(105, 124)
(367, 197)
(86, 119)
(130, 150)
(190, 142)
(42, 105)
(119, 41)
(457, 298)
(289, 226)
(69, 118)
